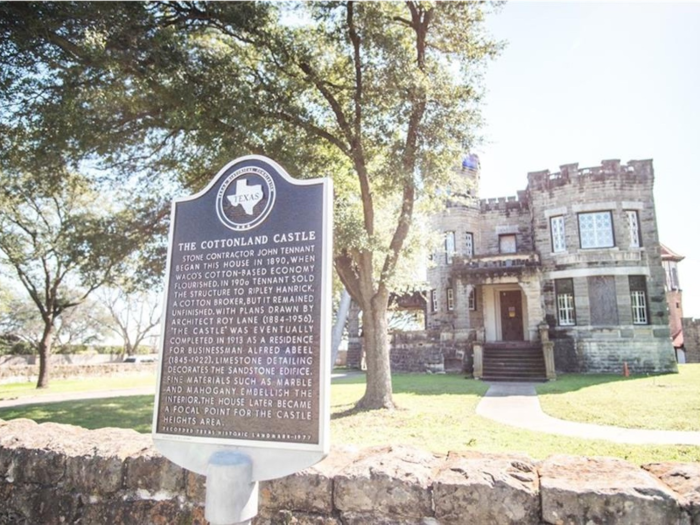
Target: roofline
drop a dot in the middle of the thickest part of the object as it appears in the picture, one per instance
(670, 255)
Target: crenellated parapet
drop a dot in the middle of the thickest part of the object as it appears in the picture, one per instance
(519, 201)
(640, 171)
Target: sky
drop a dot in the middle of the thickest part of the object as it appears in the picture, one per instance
(584, 82)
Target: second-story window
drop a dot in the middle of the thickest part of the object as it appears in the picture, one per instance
(596, 229)
(449, 247)
(507, 244)
(469, 245)
(472, 299)
(433, 301)
(633, 226)
(558, 234)
(450, 299)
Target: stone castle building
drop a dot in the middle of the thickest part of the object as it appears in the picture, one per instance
(566, 275)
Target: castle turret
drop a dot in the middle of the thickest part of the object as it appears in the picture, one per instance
(471, 171)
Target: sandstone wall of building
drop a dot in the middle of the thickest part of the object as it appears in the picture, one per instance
(54, 474)
(608, 356)
(616, 188)
(503, 216)
(691, 338)
(461, 220)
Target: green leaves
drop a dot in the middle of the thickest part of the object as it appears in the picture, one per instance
(381, 96)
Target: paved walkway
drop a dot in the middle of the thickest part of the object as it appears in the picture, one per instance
(516, 404)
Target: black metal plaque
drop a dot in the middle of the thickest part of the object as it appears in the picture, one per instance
(244, 341)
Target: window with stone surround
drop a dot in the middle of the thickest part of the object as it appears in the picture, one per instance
(433, 301)
(558, 234)
(638, 296)
(450, 299)
(596, 229)
(507, 244)
(633, 227)
(469, 244)
(471, 299)
(566, 311)
(449, 247)
(602, 298)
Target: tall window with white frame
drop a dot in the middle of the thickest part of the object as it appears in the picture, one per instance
(566, 310)
(633, 227)
(433, 301)
(558, 234)
(596, 229)
(449, 247)
(469, 245)
(450, 299)
(638, 297)
(471, 299)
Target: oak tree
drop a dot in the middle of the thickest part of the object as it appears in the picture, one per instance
(382, 96)
(62, 241)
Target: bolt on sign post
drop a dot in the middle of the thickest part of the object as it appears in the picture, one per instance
(244, 379)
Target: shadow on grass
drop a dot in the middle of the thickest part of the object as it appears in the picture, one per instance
(453, 386)
(425, 384)
(572, 382)
(135, 412)
(353, 411)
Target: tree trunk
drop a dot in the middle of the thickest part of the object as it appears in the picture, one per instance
(44, 356)
(378, 393)
(339, 325)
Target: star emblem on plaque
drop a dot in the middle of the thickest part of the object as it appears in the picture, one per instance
(245, 198)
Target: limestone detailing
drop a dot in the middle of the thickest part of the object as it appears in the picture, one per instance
(53, 474)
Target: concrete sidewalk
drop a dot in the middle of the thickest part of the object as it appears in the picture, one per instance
(516, 404)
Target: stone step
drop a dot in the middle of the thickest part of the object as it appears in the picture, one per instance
(539, 379)
(519, 361)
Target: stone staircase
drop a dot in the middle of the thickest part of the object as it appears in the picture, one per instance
(514, 361)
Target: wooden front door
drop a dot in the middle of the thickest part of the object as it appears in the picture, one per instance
(511, 316)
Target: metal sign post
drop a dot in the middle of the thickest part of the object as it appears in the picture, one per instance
(244, 379)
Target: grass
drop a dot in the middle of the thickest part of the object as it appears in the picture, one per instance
(662, 402)
(135, 412)
(436, 413)
(29, 389)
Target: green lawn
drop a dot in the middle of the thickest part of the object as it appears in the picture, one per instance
(88, 384)
(665, 402)
(122, 412)
(436, 413)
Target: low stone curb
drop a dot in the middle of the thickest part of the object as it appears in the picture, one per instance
(53, 474)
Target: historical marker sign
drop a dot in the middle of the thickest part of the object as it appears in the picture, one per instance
(245, 339)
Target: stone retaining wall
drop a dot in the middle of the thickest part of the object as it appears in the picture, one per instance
(61, 359)
(429, 351)
(30, 373)
(53, 474)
